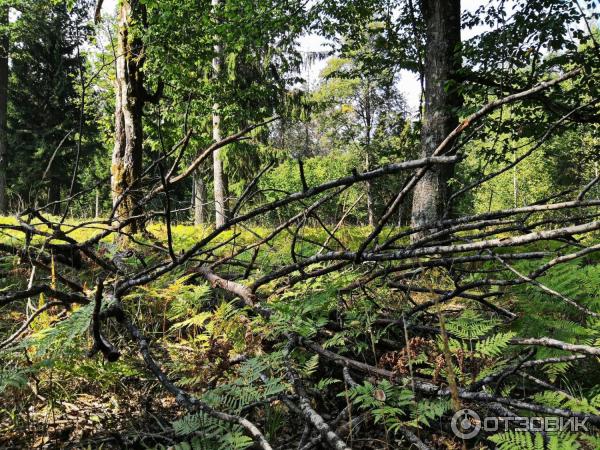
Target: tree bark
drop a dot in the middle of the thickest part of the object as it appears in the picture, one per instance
(97, 208)
(130, 96)
(54, 195)
(218, 181)
(370, 205)
(442, 98)
(3, 109)
(515, 184)
(199, 199)
(368, 119)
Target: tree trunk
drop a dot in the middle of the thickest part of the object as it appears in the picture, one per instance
(218, 176)
(97, 208)
(515, 183)
(442, 60)
(3, 109)
(370, 205)
(199, 199)
(54, 196)
(368, 124)
(130, 95)
(219, 184)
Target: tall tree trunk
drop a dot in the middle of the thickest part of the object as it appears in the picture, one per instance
(515, 183)
(442, 61)
(199, 199)
(368, 125)
(370, 205)
(97, 207)
(130, 96)
(3, 108)
(54, 195)
(218, 181)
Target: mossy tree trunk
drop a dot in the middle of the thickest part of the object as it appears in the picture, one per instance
(130, 96)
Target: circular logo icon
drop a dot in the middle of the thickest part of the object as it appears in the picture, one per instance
(466, 424)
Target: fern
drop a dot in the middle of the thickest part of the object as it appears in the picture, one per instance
(197, 320)
(426, 411)
(387, 403)
(249, 387)
(325, 383)
(563, 441)
(470, 325)
(16, 379)
(541, 312)
(305, 309)
(235, 441)
(520, 440)
(557, 399)
(194, 444)
(553, 399)
(553, 371)
(62, 337)
(214, 434)
(494, 345)
(191, 423)
(593, 441)
(515, 440)
(310, 367)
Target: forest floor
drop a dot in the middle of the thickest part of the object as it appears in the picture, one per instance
(54, 395)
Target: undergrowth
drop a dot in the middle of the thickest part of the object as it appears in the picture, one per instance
(197, 331)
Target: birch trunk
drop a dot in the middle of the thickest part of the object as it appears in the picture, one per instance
(442, 60)
(127, 154)
(218, 181)
(97, 208)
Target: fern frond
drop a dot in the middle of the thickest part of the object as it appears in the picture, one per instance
(516, 440)
(494, 345)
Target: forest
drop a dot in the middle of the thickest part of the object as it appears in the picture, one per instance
(300, 224)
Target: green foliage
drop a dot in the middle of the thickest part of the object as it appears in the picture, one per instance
(308, 308)
(185, 309)
(389, 404)
(63, 338)
(521, 440)
(558, 399)
(47, 60)
(494, 345)
(512, 440)
(425, 411)
(478, 339)
(249, 387)
(212, 434)
(577, 280)
(352, 118)
(16, 379)
(470, 325)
